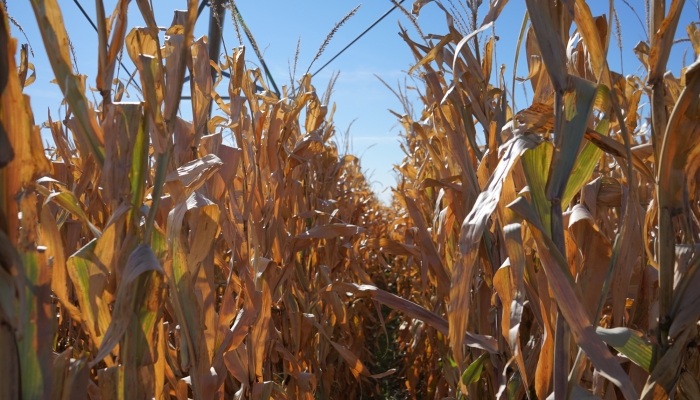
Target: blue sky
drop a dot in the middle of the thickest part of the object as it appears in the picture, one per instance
(359, 96)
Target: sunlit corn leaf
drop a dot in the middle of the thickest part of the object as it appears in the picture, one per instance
(475, 223)
(239, 329)
(151, 81)
(663, 40)
(536, 164)
(22, 144)
(201, 87)
(50, 21)
(432, 53)
(191, 176)
(428, 246)
(182, 279)
(470, 236)
(139, 169)
(578, 105)
(121, 128)
(593, 38)
(694, 37)
(139, 297)
(68, 201)
(629, 343)
(585, 164)
(176, 73)
(562, 286)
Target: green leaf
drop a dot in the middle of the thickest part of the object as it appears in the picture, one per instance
(139, 169)
(473, 371)
(88, 280)
(578, 105)
(535, 164)
(68, 201)
(159, 245)
(585, 164)
(452, 362)
(159, 181)
(34, 345)
(629, 343)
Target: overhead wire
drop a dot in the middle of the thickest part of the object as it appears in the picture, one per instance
(204, 3)
(359, 36)
(85, 14)
(239, 17)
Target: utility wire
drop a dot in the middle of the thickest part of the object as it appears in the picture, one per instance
(329, 61)
(359, 36)
(77, 3)
(239, 16)
(203, 4)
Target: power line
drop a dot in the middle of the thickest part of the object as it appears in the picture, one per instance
(215, 39)
(206, 2)
(239, 17)
(359, 36)
(203, 4)
(77, 3)
(324, 65)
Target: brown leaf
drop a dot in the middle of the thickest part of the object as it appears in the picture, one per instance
(569, 305)
(191, 176)
(415, 311)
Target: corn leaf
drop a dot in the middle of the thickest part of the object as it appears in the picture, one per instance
(629, 343)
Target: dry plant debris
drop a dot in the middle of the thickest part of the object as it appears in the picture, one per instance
(144, 256)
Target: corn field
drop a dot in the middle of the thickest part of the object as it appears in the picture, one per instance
(146, 256)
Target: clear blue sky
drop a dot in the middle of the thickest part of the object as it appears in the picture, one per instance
(277, 24)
